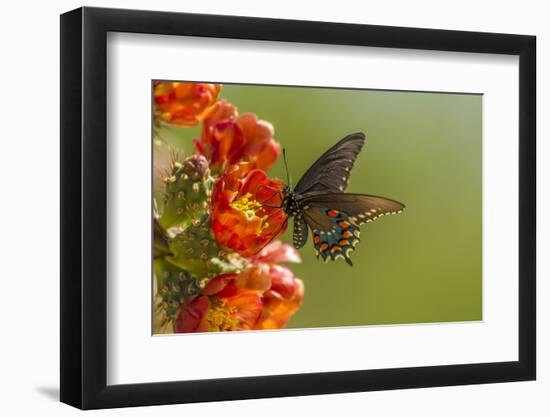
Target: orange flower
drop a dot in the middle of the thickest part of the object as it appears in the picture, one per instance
(282, 300)
(262, 297)
(286, 292)
(228, 139)
(222, 146)
(229, 302)
(246, 213)
(184, 104)
(260, 148)
(221, 111)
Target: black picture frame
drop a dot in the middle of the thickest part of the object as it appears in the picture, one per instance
(84, 207)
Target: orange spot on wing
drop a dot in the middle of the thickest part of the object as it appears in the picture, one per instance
(335, 248)
(316, 239)
(333, 213)
(344, 242)
(344, 224)
(323, 247)
(347, 234)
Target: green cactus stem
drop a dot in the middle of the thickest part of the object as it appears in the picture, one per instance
(174, 285)
(188, 186)
(196, 251)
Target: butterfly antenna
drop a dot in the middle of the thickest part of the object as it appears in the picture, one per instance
(286, 167)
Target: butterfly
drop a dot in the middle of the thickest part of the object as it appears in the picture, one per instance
(319, 203)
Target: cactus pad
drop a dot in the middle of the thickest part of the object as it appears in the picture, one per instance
(188, 186)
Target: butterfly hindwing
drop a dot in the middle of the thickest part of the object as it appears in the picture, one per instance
(360, 208)
(335, 219)
(330, 173)
(336, 241)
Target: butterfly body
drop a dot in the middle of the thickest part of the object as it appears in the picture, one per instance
(319, 203)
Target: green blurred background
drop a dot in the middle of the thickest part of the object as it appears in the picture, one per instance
(423, 149)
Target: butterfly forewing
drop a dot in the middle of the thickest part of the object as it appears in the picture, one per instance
(330, 173)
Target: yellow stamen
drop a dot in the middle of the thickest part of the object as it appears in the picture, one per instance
(221, 316)
(250, 207)
(246, 204)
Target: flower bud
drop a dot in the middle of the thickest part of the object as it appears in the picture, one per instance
(196, 167)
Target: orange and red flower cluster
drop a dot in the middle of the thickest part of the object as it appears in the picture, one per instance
(262, 297)
(228, 138)
(246, 217)
(184, 104)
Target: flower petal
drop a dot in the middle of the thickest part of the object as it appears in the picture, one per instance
(255, 278)
(248, 305)
(277, 312)
(217, 284)
(192, 317)
(277, 252)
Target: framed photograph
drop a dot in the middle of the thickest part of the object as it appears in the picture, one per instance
(258, 208)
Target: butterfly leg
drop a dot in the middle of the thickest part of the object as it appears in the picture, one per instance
(269, 206)
(277, 192)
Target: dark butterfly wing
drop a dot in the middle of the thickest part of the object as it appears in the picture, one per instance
(299, 237)
(335, 219)
(317, 219)
(334, 236)
(330, 173)
(360, 208)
